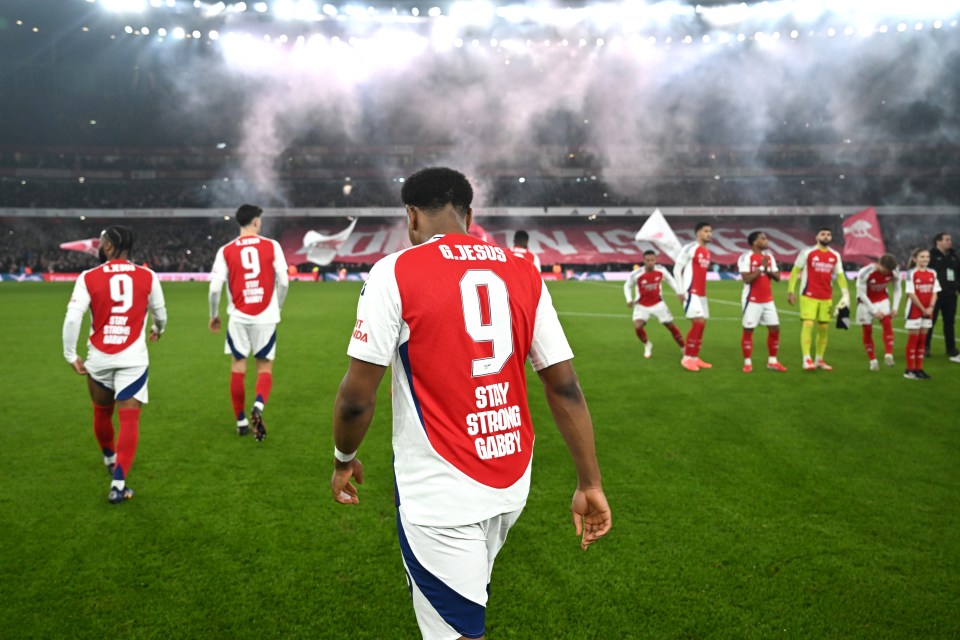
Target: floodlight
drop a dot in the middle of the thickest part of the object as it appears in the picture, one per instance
(179, 33)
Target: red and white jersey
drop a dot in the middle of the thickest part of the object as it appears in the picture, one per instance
(251, 266)
(758, 290)
(526, 254)
(457, 318)
(872, 285)
(691, 268)
(922, 283)
(644, 287)
(118, 294)
(817, 268)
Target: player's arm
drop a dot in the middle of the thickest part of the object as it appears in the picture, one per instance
(897, 291)
(670, 280)
(744, 266)
(280, 268)
(863, 279)
(551, 356)
(218, 275)
(352, 414)
(679, 265)
(379, 319)
(628, 288)
(158, 309)
(773, 269)
(842, 283)
(76, 308)
(591, 513)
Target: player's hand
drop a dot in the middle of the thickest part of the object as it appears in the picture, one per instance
(78, 367)
(893, 314)
(791, 299)
(681, 296)
(765, 262)
(343, 491)
(591, 515)
(154, 334)
(215, 324)
(630, 304)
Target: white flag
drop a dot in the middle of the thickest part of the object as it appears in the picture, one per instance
(322, 249)
(657, 230)
(91, 246)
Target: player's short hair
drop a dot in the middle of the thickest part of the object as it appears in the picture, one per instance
(937, 238)
(120, 237)
(521, 238)
(701, 225)
(888, 262)
(433, 188)
(824, 229)
(649, 252)
(246, 214)
(753, 237)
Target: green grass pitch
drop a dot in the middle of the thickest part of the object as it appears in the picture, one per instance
(797, 505)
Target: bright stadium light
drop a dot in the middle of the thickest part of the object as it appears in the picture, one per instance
(161, 32)
(145, 31)
(330, 10)
(196, 34)
(794, 34)
(124, 6)
(435, 12)
(260, 7)
(481, 13)
(128, 29)
(214, 35)
(179, 33)
(156, 3)
(295, 9)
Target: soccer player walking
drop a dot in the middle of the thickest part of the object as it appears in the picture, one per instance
(118, 294)
(643, 292)
(815, 268)
(922, 289)
(690, 270)
(256, 275)
(757, 268)
(873, 303)
(520, 241)
(457, 318)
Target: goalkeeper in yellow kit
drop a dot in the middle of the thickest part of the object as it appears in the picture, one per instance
(815, 268)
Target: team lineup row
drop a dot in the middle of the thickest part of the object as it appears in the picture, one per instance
(816, 270)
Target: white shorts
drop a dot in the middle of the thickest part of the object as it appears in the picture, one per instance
(759, 313)
(244, 338)
(865, 316)
(918, 323)
(448, 573)
(126, 383)
(696, 307)
(659, 310)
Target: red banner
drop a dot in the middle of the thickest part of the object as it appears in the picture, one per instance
(862, 237)
(566, 242)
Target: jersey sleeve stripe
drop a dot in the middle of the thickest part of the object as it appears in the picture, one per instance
(404, 352)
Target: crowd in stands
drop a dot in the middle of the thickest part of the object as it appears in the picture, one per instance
(31, 245)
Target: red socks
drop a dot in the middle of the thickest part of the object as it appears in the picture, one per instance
(773, 342)
(887, 323)
(103, 428)
(237, 394)
(746, 343)
(677, 336)
(694, 340)
(915, 345)
(265, 382)
(868, 341)
(127, 442)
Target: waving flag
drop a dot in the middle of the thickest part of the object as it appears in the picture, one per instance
(91, 246)
(657, 230)
(862, 237)
(322, 249)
